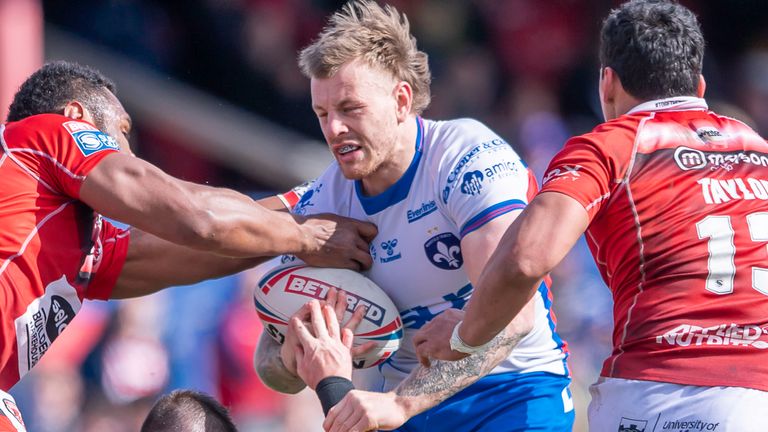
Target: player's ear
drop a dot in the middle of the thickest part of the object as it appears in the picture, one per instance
(404, 100)
(702, 86)
(609, 83)
(74, 110)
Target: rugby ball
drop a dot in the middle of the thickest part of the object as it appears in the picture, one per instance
(282, 291)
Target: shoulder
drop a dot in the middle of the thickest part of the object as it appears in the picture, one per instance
(325, 192)
(452, 140)
(616, 133)
(54, 131)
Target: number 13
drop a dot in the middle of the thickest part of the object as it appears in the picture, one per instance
(721, 266)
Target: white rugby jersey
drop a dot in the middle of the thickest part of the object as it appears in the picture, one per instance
(462, 176)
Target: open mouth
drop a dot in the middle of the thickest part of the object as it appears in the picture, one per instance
(347, 149)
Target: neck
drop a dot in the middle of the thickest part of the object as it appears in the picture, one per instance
(397, 161)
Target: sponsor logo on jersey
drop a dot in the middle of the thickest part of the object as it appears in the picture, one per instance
(302, 207)
(444, 251)
(287, 259)
(691, 159)
(723, 334)
(88, 139)
(632, 425)
(689, 425)
(472, 183)
(716, 191)
(424, 210)
(666, 103)
(317, 289)
(44, 320)
(466, 160)
(562, 173)
(711, 135)
(372, 248)
(391, 254)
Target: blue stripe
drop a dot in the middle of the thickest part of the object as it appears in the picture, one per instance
(544, 290)
(501, 209)
(270, 275)
(398, 191)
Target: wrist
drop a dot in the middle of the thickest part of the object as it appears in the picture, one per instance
(460, 344)
(409, 405)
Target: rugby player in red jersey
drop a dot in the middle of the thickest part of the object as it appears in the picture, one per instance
(673, 199)
(66, 161)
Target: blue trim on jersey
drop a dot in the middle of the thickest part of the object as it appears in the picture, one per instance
(398, 191)
(490, 214)
(544, 291)
(507, 402)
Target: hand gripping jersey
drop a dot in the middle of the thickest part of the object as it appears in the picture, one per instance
(54, 250)
(678, 201)
(462, 176)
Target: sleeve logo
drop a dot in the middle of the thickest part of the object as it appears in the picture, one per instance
(472, 183)
(89, 139)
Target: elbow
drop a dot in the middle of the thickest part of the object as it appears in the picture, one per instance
(201, 229)
(525, 268)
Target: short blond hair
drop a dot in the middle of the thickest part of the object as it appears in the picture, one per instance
(380, 37)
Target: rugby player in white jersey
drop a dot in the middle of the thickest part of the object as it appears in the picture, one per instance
(442, 194)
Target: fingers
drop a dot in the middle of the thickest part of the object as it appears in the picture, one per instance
(362, 349)
(356, 318)
(299, 329)
(423, 359)
(362, 258)
(317, 319)
(330, 298)
(340, 307)
(347, 337)
(332, 325)
(367, 230)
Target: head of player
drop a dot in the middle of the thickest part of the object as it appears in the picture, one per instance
(649, 49)
(75, 91)
(368, 82)
(186, 410)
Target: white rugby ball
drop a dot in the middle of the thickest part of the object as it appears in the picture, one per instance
(282, 291)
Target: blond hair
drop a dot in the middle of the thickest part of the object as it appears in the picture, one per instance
(380, 37)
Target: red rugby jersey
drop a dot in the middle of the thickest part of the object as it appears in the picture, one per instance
(678, 201)
(54, 250)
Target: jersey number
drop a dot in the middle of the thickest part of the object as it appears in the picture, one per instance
(719, 231)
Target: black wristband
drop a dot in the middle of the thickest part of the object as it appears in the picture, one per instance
(331, 390)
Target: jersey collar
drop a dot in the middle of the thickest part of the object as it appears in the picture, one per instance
(398, 191)
(680, 103)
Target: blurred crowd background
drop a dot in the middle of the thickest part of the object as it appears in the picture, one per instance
(527, 68)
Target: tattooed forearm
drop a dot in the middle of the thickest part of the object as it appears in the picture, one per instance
(445, 378)
(272, 371)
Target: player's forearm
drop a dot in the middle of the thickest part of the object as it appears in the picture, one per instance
(426, 387)
(236, 226)
(272, 371)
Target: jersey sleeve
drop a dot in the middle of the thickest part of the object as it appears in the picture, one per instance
(483, 179)
(59, 151)
(582, 170)
(112, 249)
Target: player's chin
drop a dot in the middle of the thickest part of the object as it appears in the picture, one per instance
(353, 171)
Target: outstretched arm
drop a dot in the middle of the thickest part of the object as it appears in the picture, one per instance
(426, 387)
(152, 264)
(218, 220)
(532, 246)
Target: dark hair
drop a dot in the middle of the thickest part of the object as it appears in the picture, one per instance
(655, 46)
(187, 410)
(55, 84)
